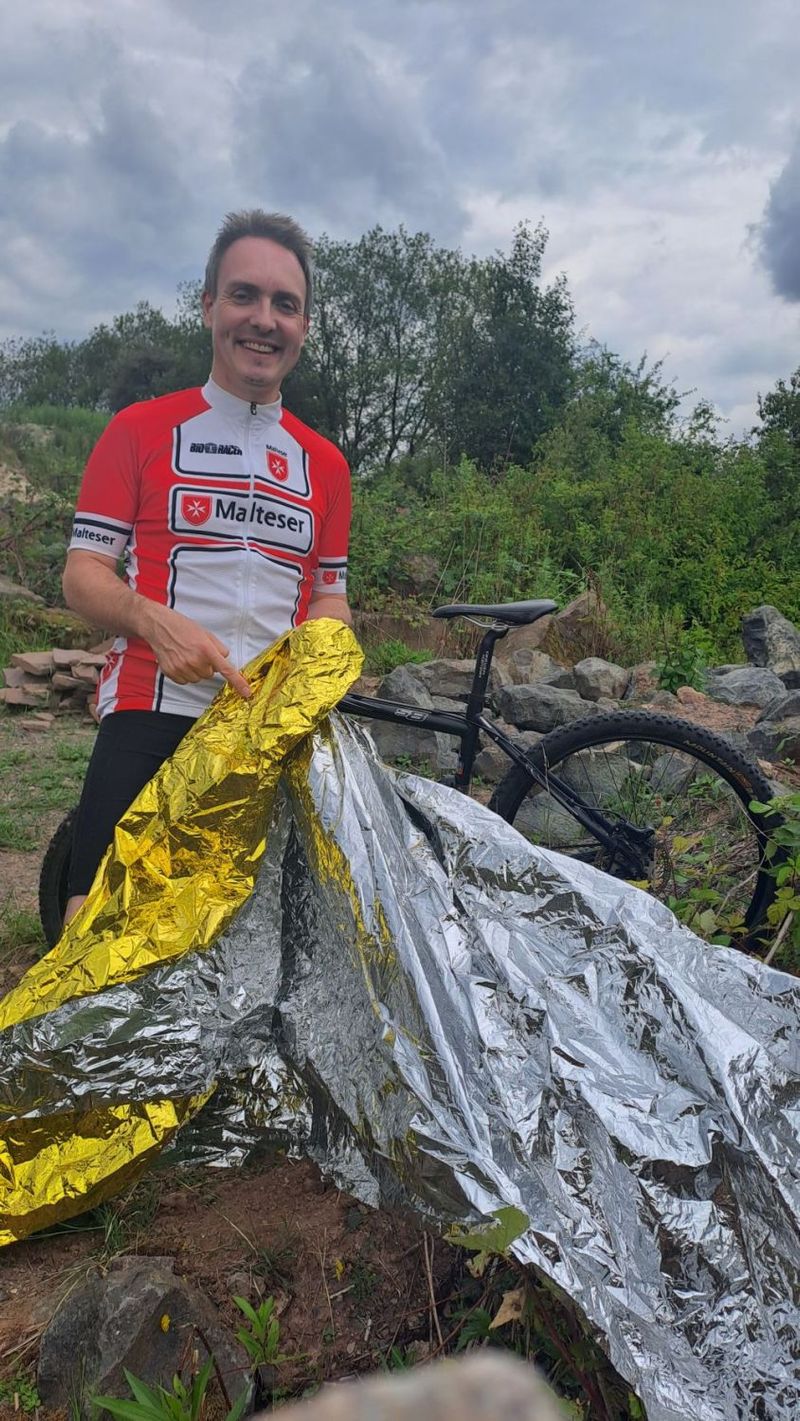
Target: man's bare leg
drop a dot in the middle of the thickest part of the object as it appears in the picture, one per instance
(73, 904)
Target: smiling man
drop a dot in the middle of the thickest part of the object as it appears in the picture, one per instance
(231, 515)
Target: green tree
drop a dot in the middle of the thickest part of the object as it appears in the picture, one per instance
(510, 356)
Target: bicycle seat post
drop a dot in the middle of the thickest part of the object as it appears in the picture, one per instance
(483, 665)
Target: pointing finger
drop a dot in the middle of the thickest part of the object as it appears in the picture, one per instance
(232, 676)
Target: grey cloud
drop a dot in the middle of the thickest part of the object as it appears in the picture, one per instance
(341, 144)
(780, 231)
(105, 207)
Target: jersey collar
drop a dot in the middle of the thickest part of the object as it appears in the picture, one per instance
(229, 404)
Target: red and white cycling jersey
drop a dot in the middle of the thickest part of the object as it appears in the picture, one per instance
(231, 513)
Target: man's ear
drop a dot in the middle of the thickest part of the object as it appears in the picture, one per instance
(207, 302)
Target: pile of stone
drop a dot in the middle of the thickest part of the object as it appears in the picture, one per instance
(531, 693)
(51, 682)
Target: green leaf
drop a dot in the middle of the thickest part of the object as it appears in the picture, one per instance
(240, 1406)
(247, 1308)
(127, 1410)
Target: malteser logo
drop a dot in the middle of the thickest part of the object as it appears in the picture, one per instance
(273, 522)
(329, 577)
(278, 465)
(195, 508)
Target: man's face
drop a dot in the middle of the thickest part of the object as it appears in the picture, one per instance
(256, 318)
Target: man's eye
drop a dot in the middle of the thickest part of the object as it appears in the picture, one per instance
(241, 294)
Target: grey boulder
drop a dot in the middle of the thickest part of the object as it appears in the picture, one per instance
(747, 686)
(595, 678)
(776, 739)
(138, 1317)
(770, 639)
(541, 707)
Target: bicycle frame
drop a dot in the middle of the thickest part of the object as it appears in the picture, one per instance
(468, 727)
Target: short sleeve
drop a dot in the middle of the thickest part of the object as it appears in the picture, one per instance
(331, 573)
(109, 494)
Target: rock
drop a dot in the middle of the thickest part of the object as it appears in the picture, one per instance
(563, 679)
(443, 703)
(420, 573)
(64, 660)
(749, 686)
(777, 739)
(541, 707)
(528, 638)
(40, 722)
(770, 639)
(782, 708)
(664, 701)
(19, 696)
(491, 763)
(454, 678)
(12, 590)
(405, 684)
(62, 681)
(595, 678)
(642, 681)
(791, 680)
(140, 1317)
(424, 752)
(576, 629)
(33, 663)
(480, 1387)
(86, 672)
(13, 676)
(526, 666)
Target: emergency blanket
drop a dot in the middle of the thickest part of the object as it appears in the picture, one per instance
(449, 1019)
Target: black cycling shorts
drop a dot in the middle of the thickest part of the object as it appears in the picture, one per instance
(130, 747)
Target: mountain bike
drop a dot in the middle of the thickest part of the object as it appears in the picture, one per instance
(648, 798)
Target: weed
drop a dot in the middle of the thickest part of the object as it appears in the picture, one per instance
(20, 1392)
(261, 1338)
(21, 933)
(389, 654)
(125, 1220)
(181, 1403)
(399, 1359)
(363, 1281)
(685, 660)
(783, 856)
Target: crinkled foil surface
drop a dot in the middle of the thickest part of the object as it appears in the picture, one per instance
(448, 1019)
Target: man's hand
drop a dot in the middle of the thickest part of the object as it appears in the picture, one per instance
(187, 652)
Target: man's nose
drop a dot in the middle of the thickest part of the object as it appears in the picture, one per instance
(264, 314)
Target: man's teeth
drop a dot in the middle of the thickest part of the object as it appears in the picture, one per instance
(262, 347)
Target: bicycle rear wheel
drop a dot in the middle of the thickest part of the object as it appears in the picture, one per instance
(702, 853)
(53, 891)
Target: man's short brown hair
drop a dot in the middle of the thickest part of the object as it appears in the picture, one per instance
(257, 223)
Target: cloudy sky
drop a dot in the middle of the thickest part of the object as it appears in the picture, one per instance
(658, 141)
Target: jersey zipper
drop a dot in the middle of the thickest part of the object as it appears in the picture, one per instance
(244, 612)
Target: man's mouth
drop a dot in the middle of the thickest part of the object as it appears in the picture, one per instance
(260, 347)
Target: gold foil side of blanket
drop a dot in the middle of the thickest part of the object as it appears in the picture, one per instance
(185, 855)
(61, 1165)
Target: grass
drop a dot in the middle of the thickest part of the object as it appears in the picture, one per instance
(21, 935)
(35, 786)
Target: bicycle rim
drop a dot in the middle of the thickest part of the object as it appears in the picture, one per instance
(705, 856)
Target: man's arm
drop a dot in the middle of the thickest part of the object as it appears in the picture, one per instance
(330, 605)
(184, 650)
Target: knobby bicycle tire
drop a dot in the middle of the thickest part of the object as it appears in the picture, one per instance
(609, 760)
(53, 880)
